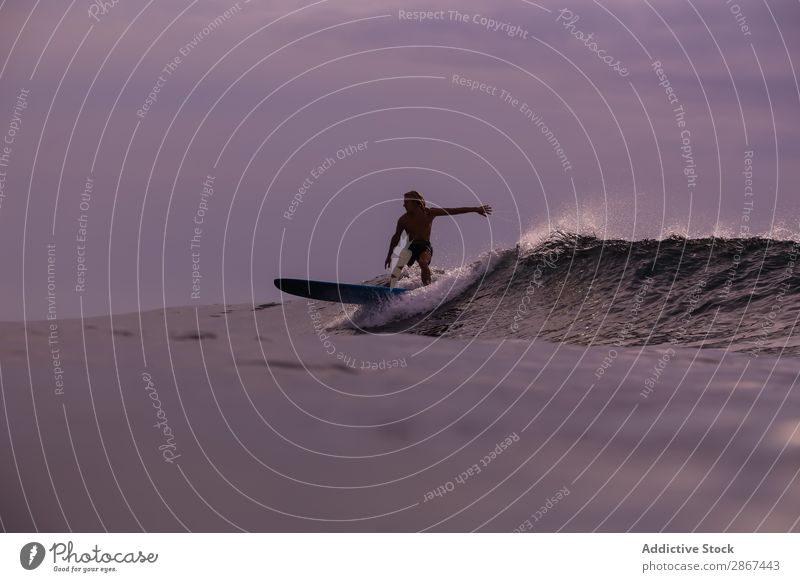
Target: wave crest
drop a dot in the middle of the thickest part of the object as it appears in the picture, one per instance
(741, 294)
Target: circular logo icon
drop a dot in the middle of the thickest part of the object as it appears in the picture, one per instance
(31, 555)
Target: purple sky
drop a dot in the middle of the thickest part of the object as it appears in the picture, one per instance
(271, 91)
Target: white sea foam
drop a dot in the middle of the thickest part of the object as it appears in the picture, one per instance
(424, 299)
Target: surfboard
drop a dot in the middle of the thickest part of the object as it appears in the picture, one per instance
(337, 292)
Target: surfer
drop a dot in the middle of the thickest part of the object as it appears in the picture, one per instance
(417, 222)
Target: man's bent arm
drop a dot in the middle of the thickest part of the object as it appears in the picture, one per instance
(396, 237)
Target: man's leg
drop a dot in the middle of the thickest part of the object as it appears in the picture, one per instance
(424, 261)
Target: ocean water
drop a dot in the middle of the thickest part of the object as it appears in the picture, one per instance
(275, 424)
(585, 354)
(736, 294)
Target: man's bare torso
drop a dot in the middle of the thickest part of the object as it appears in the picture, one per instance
(417, 225)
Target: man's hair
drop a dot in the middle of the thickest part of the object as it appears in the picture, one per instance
(414, 195)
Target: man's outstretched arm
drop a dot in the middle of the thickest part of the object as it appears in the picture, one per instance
(484, 210)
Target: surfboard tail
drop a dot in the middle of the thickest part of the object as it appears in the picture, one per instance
(336, 292)
(402, 261)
